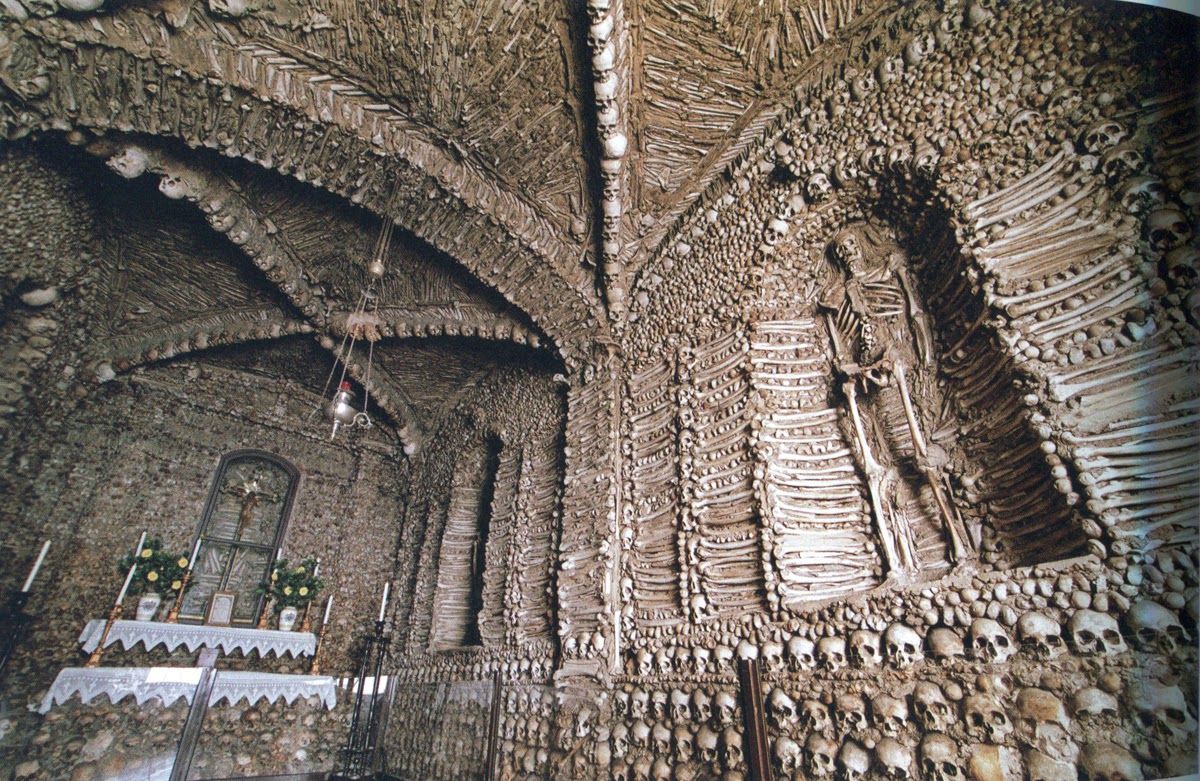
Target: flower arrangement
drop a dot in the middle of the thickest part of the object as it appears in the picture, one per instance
(293, 585)
(157, 570)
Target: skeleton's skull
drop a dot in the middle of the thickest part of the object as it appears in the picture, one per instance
(1041, 722)
(772, 657)
(658, 705)
(700, 657)
(818, 189)
(1121, 161)
(985, 718)
(802, 654)
(1040, 767)
(1108, 762)
(814, 716)
(620, 740)
(706, 745)
(723, 657)
(1163, 712)
(702, 710)
(944, 644)
(662, 662)
(726, 708)
(1167, 228)
(1142, 193)
(731, 748)
(931, 706)
(679, 706)
(583, 723)
(660, 739)
(865, 648)
(1040, 636)
(776, 231)
(781, 709)
(1095, 633)
(644, 661)
(786, 756)
(1183, 266)
(831, 653)
(989, 642)
(903, 645)
(599, 32)
(939, 758)
(130, 163)
(920, 47)
(1154, 628)
(1102, 136)
(175, 185)
(890, 713)
(862, 86)
(890, 70)
(620, 703)
(683, 741)
(822, 753)
(894, 759)
(850, 713)
(854, 761)
(639, 704)
(1093, 702)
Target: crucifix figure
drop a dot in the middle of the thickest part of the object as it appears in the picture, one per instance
(879, 334)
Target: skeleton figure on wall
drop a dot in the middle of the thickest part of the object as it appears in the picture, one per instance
(883, 354)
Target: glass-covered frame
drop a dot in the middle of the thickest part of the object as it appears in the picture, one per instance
(244, 521)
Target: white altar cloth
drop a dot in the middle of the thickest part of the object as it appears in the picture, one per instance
(171, 684)
(193, 637)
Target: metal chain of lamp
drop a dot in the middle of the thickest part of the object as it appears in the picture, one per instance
(362, 325)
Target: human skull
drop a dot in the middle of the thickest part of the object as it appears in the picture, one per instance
(641, 769)
(865, 648)
(944, 644)
(1162, 711)
(894, 759)
(658, 705)
(903, 645)
(620, 703)
(706, 745)
(1095, 633)
(1142, 193)
(890, 70)
(644, 661)
(1183, 266)
(660, 739)
(920, 47)
(639, 735)
(702, 710)
(1040, 636)
(854, 761)
(683, 741)
(723, 657)
(890, 713)
(1103, 135)
(620, 740)
(583, 722)
(726, 708)
(662, 662)
(731, 748)
(747, 650)
(1120, 161)
(679, 706)
(849, 713)
(1105, 761)
(1154, 628)
(700, 656)
(639, 704)
(786, 756)
(661, 770)
(775, 232)
(985, 718)
(772, 657)
(831, 653)
(1041, 722)
(862, 86)
(1040, 767)
(1093, 702)
(931, 706)
(1167, 228)
(175, 185)
(821, 753)
(939, 758)
(781, 709)
(599, 32)
(802, 654)
(814, 716)
(818, 189)
(989, 642)
(130, 163)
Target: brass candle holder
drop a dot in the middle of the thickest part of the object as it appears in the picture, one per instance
(306, 622)
(173, 613)
(113, 615)
(266, 611)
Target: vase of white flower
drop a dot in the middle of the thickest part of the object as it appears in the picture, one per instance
(147, 606)
(287, 618)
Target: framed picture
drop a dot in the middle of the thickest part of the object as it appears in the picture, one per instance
(220, 608)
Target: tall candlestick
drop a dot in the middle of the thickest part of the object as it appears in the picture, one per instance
(132, 568)
(383, 602)
(37, 565)
(195, 553)
(317, 569)
(328, 605)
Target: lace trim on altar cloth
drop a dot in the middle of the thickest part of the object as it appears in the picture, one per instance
(171, 684)
(193, 637)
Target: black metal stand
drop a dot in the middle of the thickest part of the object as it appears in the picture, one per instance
(754, 741)
(359, 753)
(14, 623)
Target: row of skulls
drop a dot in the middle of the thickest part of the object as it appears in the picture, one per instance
(1152, 627)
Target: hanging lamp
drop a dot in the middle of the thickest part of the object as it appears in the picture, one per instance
(362, 325)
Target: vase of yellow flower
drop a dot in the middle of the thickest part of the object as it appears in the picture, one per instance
(157, 574)
(292, 586)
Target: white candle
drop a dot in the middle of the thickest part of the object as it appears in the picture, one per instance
(132, 568)
(317, 569)
(37, 565)
(195, 553)
(383, 602)
(328, 605)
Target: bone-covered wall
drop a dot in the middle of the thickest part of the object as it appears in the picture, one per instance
(856, 338)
